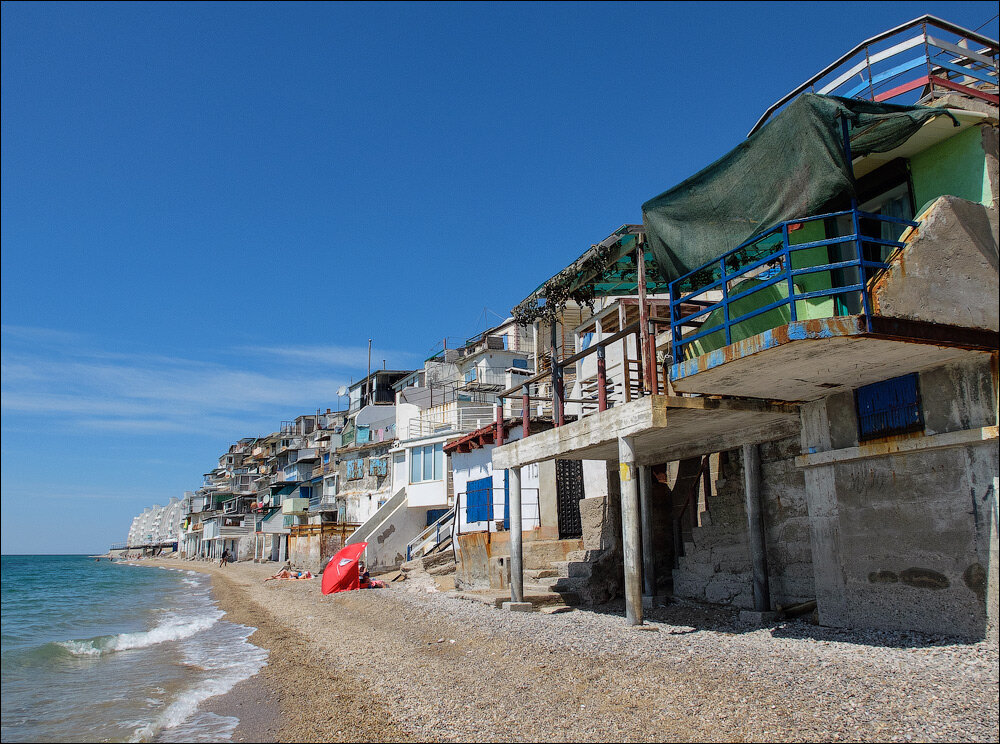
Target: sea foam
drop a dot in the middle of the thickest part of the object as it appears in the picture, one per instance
(229, 664)
(173, 628)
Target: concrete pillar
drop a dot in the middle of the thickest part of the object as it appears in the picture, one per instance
(755, 525)
(516, 543)
(631, 540)
(645, 515)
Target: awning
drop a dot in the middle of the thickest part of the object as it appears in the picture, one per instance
(608, 268)
(284, 490)
(793, 167)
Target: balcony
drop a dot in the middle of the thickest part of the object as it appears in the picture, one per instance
(486, 379)
(450, 418)
(294, 506)
(802, 309)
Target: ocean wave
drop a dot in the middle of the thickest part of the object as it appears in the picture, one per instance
(181, 720)
(171, 629)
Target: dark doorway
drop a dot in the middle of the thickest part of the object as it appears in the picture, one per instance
(569, 491)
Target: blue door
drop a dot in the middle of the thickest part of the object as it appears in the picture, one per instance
(479, 500)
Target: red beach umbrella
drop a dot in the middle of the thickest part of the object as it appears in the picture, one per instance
(341, 573)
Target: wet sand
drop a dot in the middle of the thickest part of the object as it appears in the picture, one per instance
(300, 695)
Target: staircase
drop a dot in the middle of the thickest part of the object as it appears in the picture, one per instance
(715, 566)
(437, 566)
(576, 579)
(433, 537)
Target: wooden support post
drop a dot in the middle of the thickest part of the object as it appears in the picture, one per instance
(626, 369)
(602, 380)
(654, 379)
(646, 517)
(554, 370)
(631, 538)
(516, 544)
(525, 412)
(755, 527)
(498, 437)
(645, 353)
(640, 370)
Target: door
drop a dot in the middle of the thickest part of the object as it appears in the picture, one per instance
(479, 500)
(569, 491)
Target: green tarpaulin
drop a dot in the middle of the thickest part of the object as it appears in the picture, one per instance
(793, 167)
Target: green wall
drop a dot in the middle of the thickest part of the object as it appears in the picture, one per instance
(956, 166)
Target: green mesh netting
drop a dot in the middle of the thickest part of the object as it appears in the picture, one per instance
(791, 168)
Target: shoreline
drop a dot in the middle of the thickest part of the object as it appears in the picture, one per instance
(295, 697)
(412, 663)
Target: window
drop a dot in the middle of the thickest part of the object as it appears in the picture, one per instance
(889, 407)
(427, 463)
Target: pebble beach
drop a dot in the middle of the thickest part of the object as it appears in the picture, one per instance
(413, 663)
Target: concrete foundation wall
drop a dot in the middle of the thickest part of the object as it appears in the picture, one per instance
(484, 559)
(908, 541)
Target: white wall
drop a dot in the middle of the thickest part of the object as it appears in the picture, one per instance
(405, 412)
(429, 494)
(477, 464)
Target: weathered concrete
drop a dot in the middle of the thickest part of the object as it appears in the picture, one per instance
(827, 355)
(664, 427)
(631, 538)
(601, 521)
(484, 558)
(907, 539)
(516, 551)
(513, 606)
(948, 272)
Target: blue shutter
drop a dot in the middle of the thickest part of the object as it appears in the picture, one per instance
(479, 500)
(889, 407)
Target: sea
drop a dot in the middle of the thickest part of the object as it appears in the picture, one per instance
(100, 651)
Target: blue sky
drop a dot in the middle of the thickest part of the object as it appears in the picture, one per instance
(208, 209)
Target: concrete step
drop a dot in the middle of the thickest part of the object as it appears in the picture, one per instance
(541, 573)
(544, 599)
(439, 563)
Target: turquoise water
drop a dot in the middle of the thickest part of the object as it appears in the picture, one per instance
(95, 651)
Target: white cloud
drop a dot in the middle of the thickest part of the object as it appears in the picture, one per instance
(349, 357)
(79, 387)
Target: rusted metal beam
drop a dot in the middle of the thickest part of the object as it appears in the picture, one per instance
(939, 334)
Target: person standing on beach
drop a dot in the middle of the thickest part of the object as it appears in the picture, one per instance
(225, 558)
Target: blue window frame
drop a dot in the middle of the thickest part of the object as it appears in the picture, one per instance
(889, 407)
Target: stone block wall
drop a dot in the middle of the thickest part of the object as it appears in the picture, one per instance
(716, 562)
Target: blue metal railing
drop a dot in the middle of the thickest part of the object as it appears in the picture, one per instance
(767, 259)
